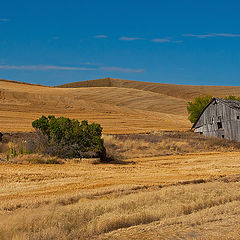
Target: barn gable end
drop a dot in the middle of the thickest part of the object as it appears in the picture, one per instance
(220, 118)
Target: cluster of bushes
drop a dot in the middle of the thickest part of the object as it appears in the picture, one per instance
(67, 138)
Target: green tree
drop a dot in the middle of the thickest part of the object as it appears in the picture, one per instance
(195, 108)
(67, 137)
(232, 97)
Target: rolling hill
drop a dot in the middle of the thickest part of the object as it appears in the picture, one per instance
(120, 106)
(186, 92)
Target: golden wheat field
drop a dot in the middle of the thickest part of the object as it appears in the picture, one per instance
(168, 183)
(120, 106)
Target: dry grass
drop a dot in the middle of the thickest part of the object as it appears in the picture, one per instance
(35, 159)
(169, 208)
(170, 195)
(163, 144)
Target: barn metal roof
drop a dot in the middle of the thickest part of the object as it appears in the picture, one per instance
(235, 104)
(231, 103)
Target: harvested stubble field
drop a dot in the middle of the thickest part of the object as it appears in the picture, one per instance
(166, 185)
(194, 196)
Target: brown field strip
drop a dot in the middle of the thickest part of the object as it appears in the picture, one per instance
(21, 182)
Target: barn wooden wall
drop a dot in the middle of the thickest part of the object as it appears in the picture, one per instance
(208, 122)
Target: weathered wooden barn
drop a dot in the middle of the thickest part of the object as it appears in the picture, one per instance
(220, 118)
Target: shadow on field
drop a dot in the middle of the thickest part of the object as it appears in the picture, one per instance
(116, 162)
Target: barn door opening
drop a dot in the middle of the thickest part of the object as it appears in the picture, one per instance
(219, 123)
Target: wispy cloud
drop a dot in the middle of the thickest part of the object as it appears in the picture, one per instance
(69, 68)
(157, 40)
(131, 38)
(165, 40)
(101, 36)
(4, 20)
(161, 40)
(44, 67)
(119, 69)
(211, 35)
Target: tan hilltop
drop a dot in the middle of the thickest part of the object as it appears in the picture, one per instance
(187, 92)
(120, 106)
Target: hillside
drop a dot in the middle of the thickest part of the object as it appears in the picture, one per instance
(186, 92)
(121, 106)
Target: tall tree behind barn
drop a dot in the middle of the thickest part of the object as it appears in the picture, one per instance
(220, 118)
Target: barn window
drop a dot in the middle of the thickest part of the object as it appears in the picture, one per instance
(222, 136)
(219, 124)
(237, 117)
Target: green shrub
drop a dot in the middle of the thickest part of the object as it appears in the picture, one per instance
(68, 138)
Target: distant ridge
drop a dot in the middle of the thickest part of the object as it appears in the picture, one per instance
(187, 92)
(18, 82)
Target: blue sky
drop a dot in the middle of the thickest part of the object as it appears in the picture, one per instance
(181, 42)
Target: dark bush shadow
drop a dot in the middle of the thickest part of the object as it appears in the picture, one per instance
(115, 162)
